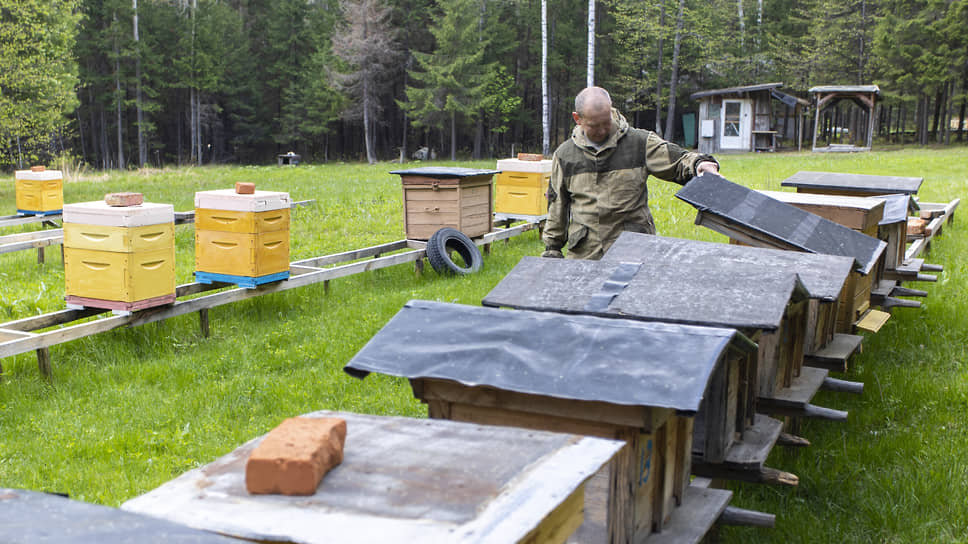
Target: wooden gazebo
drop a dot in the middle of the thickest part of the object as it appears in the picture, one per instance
(864, 96)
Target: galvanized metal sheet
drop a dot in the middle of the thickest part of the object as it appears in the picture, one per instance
(781, 221)
(822, 275)
(865, 183)
(727, 295)
(32, 517)
(444, 172)
(563, 356)
(401, 480)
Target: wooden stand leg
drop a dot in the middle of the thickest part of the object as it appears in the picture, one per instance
(487, 249)
(325, 287)
(418, 267)
(40, 255)
(43, 362)
(203, 322)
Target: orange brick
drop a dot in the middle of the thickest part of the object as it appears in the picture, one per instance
(293, 458)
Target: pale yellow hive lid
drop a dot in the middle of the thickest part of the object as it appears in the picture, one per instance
(100, 213)
(516, 165)
(228, 199)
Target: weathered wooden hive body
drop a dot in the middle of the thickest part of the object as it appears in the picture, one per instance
(612, 378)
(438, 197)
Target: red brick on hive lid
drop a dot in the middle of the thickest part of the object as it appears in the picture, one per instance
(124, 199)
(293, 458)
(39, 168)
(915, 226)
(530, 156)
(244, 188)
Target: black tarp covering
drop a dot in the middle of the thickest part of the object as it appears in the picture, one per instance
(822, 275)
(577, 357)
(32, 517)
(896, 208)
(724, 296)
(781, 221)
(862, 183)
(444, 172)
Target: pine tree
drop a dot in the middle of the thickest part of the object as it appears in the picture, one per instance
(448, 82)
(38, 76)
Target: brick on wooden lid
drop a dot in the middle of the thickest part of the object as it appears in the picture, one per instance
(244, 188)
(915, 225)
(124, 199)
(293, 458)
(39, 168)
(530, 156)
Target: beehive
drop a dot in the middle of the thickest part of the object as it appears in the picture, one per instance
(39, 191)
(119, 257)
(241, 238)
(520, 187)
(439, 197)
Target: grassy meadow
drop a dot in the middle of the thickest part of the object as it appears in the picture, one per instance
(130, 409)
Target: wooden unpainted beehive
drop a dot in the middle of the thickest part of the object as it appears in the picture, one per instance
(520, 187)
(241, 235)
(39, 191)
(119, 257)
(435, 198)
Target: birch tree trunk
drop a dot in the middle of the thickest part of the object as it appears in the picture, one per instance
(453, 135)
(590, 79)
(742, 23)
(142, 145)
(658, 71)
(117, 90)
(670, 132)
(545, 109)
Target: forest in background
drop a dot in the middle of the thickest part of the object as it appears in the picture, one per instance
(123, 83)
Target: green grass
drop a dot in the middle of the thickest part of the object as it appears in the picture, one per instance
(130, 409)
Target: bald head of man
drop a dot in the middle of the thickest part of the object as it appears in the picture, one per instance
(593, 112)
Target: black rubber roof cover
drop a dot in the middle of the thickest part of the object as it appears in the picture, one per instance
(896, 208)
(715, 296)
(32, 517)
(445, 172)
(822, 275)
(854, 182)
(781, 221)
(617, 361)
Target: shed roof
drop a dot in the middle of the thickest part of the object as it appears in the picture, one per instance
(737, 90)
(846, 89)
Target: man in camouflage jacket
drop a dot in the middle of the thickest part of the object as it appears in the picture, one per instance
(598, 179)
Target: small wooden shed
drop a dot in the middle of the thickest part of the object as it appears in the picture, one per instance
(748, 118)
(854, 125)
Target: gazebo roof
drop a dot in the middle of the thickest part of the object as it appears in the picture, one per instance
(846, 89)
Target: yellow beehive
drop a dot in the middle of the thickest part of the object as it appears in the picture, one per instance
(118, 276)
(242, 254)
(241, 235)
(521, 187)
(119, 256)
(39, 190)
(119, 239)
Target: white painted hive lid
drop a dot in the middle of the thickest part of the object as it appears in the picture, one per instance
(100, 213)
(515, 165)
(45, 175)
(228, 199)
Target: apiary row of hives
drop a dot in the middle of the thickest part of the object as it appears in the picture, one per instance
(119, 253)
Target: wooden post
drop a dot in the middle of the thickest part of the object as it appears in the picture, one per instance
(418, 267)
(40, 255)
(43, 362)
(203, 322)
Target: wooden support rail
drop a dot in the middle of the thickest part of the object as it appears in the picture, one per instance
(19, 336)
